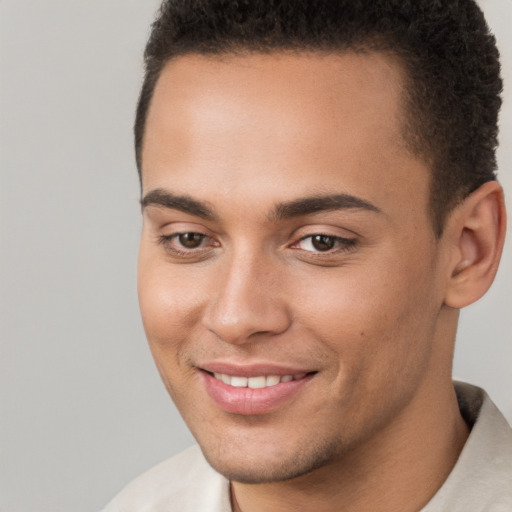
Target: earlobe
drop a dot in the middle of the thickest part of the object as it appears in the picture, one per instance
(477, 233)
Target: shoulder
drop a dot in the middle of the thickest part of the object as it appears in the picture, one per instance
(480, 480)
(185, 482)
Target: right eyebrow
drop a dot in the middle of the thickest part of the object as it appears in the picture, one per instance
(182, 203)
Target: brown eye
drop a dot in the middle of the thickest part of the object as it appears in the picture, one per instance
(323, 242)
(191, 240)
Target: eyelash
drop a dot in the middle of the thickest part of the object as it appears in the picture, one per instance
(341, 245)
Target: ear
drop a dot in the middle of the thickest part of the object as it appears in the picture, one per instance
(476, 234)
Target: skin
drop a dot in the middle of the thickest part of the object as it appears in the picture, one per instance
(377, 427)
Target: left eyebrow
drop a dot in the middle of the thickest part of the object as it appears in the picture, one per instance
(320, 203)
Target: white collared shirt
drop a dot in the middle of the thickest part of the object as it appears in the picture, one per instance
(481, 480)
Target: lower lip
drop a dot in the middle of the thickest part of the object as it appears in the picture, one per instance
(248, 401)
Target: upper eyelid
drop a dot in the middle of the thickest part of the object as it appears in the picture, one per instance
(170, 229)
(322, 233)
(325, 228)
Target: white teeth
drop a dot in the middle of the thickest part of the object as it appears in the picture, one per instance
(239, 382)
(223, 377)
(256, 382)
(272, 380)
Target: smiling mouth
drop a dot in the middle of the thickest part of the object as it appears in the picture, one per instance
(260, 391)
(257, 382)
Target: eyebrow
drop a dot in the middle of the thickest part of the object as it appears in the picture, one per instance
(182, 203)
(321, 203)
(281, 211)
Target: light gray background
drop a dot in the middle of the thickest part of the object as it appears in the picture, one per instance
(82, 409)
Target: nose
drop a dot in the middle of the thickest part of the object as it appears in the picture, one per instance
(248, 301)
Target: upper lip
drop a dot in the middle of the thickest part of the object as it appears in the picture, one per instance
(252, 370)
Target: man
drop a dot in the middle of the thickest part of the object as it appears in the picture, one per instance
(319, 202)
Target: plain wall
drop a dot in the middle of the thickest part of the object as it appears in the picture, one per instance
(82, 410)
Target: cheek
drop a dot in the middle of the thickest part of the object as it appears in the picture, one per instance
(168, 303)
(170, 309)
(381, 334)
(379, 321)
(168, 316)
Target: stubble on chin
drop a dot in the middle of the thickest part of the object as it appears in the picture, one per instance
(239, 466)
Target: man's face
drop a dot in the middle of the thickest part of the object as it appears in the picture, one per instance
(287, 244)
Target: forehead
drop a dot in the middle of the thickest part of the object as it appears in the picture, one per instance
(310, 121)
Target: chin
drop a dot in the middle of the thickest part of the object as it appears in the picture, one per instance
(263, 467)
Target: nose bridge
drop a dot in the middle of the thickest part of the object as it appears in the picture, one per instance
(248, 299)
